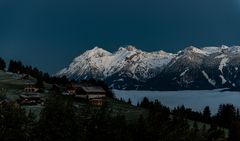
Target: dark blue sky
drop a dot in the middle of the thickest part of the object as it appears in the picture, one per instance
(50, 33)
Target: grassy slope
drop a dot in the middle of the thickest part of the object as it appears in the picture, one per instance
(13, 83)
(132, 113)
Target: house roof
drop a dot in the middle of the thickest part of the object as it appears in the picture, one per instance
(73, 86)
(32, 95)
(28, 82)
(93, 89)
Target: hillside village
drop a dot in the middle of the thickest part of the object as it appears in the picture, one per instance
(29, 88)
(25, 91)
(39, 94)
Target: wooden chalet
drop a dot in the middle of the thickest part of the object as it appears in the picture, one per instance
(97, 102)
(71, 89)
(90, 92)
(30, 88)
(95, 94)
(30, 99)
(30, 95)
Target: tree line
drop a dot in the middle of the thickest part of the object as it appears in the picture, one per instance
(19, 67)
(227, 117)
(61, 120)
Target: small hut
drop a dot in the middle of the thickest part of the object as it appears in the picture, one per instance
(95, 94)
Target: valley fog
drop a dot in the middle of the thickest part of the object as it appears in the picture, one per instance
(195, 99)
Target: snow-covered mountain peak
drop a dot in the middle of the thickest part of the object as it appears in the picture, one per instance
(224, 47)
(234, 49)
(163, 53)
(95, 52)
(129, 67)
(211, 50)
(133, 62)
(131, 48)
(193, 49)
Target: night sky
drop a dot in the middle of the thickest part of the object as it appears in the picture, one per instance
(48, 34)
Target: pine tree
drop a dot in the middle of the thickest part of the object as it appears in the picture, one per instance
(2, 64)
(207, 114)
(238, 114)
(10, 67)
(145, 103)
(58, 120)
(129, 101)
(226, 115)
(195, 127)
(16, 67)
(138, 105)
(234, 134)
(14, 123)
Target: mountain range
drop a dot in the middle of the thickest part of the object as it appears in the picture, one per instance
(131, 68)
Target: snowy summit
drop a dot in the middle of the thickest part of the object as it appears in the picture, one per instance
(131, 68)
